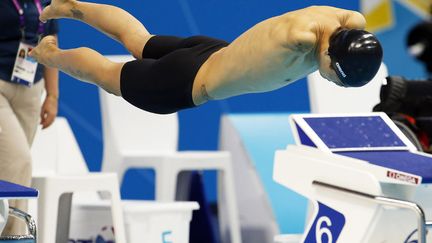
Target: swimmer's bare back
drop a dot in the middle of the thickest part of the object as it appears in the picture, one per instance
(274, 53)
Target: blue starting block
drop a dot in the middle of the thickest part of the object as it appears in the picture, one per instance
(370, 137)
(361, 175)
(13, 191)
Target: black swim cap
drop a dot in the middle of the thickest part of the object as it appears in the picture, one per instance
(356, 56)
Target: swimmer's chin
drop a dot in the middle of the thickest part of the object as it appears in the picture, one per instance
(336, 82)
(326, 78)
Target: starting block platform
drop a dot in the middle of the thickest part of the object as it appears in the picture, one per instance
(12, 191)
(364, 178)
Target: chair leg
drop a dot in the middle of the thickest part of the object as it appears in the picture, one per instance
(183, 186)
(117, 215)
(226, 184)
(64, 215)
(166, 184)
(47, 220)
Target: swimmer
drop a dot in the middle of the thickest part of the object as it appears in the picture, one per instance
(172, 73)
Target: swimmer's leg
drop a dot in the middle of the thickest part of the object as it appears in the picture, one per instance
(81, 63)
(113, 21)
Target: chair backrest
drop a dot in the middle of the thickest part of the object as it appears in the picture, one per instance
(326, 97)
(128, 128)
(56, 151)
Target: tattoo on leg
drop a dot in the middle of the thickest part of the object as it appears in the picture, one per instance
(75, 73)
(78, 74)
(204, 93)
(77, 13)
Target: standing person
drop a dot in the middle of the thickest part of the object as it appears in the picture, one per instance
(22, 82)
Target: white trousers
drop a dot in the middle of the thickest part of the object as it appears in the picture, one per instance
(20, 108)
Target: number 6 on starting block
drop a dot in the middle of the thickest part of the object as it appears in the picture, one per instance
(327, 226)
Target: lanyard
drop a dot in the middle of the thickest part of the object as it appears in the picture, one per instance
(22, 20)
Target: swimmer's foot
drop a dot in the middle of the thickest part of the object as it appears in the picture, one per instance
(44, 52)
(61, 9)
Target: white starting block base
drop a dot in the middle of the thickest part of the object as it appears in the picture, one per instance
(145, 222)
(363, 177)
(4, 213)
(342, 191)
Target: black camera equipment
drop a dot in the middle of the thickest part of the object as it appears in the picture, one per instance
(419, 42)
(409, 104)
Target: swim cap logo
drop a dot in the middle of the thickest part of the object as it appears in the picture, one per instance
(340, 70)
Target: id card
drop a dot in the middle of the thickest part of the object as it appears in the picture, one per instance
(25, 67)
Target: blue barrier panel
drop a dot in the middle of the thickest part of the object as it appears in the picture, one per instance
(262, 135)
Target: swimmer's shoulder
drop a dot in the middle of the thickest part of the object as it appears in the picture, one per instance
(302, 29)
(352, 20)
(316, 14)
(346, 18)
(297, 32)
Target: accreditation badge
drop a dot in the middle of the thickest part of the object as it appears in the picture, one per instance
(25, 67)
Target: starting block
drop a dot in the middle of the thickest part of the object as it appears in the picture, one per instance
(364, 178)
(13, 191)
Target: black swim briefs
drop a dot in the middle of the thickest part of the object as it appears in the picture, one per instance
(162, 81)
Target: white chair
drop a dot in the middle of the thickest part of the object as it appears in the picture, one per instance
(60, 171)
(326, 97)
(134, 138)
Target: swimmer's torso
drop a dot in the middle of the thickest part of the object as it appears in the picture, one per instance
(273, 54)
